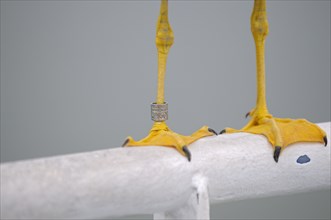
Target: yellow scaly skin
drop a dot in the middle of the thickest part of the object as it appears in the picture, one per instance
(280, 132)
(160, 134)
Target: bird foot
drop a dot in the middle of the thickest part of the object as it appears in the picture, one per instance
(281, 132)
(161, 135)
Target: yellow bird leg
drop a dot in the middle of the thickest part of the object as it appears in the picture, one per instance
(280, 132)
(160, 134)
(164, 40)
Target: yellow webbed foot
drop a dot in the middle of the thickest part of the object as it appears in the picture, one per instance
(282, 132)
(161, 135)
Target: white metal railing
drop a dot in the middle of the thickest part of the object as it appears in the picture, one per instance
(145, 180)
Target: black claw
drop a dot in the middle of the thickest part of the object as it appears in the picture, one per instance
(125, 142)
(212, 131)
(325, 141)
(277, 153)
(223, 131)
(187, 153)
(247, 114)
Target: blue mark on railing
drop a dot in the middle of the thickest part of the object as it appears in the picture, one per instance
(303, 159)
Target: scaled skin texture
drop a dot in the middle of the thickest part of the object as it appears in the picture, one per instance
(281, 132)
(160, 134)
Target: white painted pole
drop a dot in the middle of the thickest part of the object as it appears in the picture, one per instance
(141, 180)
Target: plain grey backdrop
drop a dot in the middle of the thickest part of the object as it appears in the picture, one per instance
(80, 76)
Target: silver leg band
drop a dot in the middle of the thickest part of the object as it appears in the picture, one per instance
(159, 112)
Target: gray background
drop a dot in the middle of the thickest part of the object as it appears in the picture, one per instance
(80, 75)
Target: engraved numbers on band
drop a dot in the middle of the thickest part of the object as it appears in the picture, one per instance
(159, 112)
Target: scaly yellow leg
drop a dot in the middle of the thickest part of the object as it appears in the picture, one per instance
(160, 134)
(280, 132)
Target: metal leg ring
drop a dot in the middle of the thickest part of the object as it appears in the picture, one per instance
(159, 112)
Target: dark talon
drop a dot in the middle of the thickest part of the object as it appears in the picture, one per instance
(325, 141)
(247, 114)
(212, 131)
(276, 153)
(187, 153)
(125, 142)
(223, 131)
